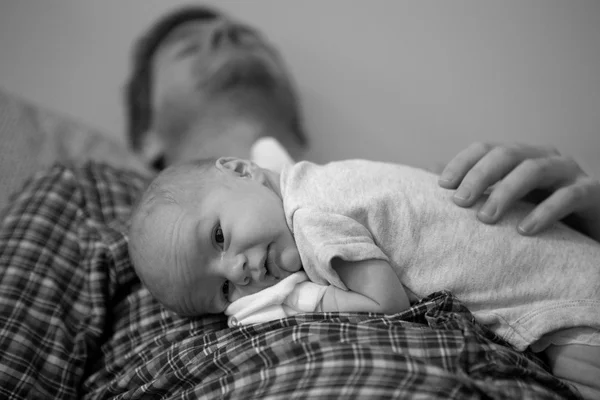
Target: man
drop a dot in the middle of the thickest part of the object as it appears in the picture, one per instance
(203, 85)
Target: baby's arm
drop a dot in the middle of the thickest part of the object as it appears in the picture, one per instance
(578, 365)
(373, 287)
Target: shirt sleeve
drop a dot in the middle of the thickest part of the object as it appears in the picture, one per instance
(322, 236)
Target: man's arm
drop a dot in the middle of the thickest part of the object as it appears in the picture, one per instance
(373, 287)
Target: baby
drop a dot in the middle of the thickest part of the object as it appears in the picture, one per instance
(380, 236)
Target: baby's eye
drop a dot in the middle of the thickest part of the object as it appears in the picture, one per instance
(225, 290)
(219, 237)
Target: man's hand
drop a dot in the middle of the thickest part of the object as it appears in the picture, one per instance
(518, 171)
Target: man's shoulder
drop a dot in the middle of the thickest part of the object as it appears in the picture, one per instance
(100, 191)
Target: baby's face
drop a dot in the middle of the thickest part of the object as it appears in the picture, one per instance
(231, 243)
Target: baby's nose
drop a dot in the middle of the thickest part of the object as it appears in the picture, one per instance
(238, 270)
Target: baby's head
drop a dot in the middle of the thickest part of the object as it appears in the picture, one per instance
(207, 232)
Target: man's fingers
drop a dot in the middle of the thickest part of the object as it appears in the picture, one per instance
(456, 170)
(532, 174)
(459, 166)
(490, 169)
(563, 202)
(518, 171)
(553, 209)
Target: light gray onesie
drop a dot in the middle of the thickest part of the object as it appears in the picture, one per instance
(521, 287)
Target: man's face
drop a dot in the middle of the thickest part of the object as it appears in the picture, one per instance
(214, 55)
(201, 61)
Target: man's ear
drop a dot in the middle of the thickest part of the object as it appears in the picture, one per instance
(237, 166)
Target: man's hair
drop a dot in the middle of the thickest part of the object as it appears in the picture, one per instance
(139, 87)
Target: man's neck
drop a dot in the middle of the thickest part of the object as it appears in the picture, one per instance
(231, 128)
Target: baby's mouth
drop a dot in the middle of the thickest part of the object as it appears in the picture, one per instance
(270, 265)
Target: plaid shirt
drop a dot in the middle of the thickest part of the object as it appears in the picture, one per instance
(76, 323)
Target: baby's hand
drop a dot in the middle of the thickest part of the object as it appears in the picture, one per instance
(271, 295)
(306, 297)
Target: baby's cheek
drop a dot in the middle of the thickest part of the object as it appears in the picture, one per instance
(186, 306)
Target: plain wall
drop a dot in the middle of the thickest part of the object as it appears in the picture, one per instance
(407, 81)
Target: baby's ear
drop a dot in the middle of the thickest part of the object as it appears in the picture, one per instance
(237, 166)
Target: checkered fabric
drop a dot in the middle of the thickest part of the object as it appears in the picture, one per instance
(76, 323)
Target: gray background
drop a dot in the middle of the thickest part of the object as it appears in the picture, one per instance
(406, 81)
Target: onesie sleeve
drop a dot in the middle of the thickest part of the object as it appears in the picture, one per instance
(322, 236)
